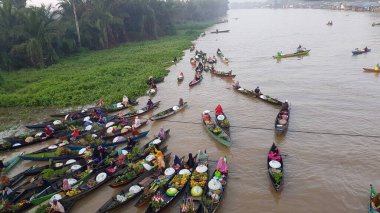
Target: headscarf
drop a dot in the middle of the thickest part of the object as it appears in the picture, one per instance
(66, 185)
(219, 110)
(177, 161)
(190, 162)
(222, 165)
(161, 134)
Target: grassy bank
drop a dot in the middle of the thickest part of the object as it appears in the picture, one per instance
(107, 74)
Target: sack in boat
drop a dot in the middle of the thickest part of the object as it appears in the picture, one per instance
(125, 129)
(282, 122)
(29, 139)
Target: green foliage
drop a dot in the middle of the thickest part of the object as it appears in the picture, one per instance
(277, 176)
(51, 173)
(62, 151)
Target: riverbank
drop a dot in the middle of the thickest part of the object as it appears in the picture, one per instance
(85, 78)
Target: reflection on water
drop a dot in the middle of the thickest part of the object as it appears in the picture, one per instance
(327, 89)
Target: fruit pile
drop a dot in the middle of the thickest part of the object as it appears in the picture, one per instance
(179, 181)
(198, 179)
(73, 192)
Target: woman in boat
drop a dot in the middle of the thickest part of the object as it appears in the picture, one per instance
(125, 101)
(219, 110)
(375, 202)
(214, 59)
(257, 91)
(137, 123)
(56, 207)
(121, 159)
(285, 105)
(88, 153)
(153, 86)
(149, 104)
(197, 76)
(150, 80)
(203, 157)
(206, 118)
(162, 134)
(222, 166)
(190, 162)
(48, 130)
(177, 163)
(275, 155)
(160, 159)
(100, 103)
(175, 59)
(180, 102)
(236, 85)
(135, 132)
(181, 75)
(366, 49)
(131, 143)
(66, 185)
(75, 134)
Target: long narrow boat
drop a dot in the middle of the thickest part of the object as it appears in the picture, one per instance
(168, 112)
(223, 122)
(11, 163)
(302, 53)
(192, 199)
(109, 143)
(215, 131)
(282, 121)
(358, 52)
(157, 184)
(194, 81)
(171, 191)
(223, 58)
(19, 141)
(130, 192)
(223, 74)
(265, 98)
(220, 31)
(371, 70)
(275, 169)
(144, 151)
(216, 188)
(372, 193)
(141, 111)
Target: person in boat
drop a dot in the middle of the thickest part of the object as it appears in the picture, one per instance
(135, 131)
(160, 159)
(56, 207)
(200, 66)
(206, 118)
(196, 52)
(162, 134)
(180, 102)
(190, 162)
(218, 51)
(75, 134)
(149, 104)
(257, 91)
(8, 195)
(222, 166)
(203, 157)
(100, 103)
(366, 49)
(300, 48)
(66, 185)
(121, 159)
(125, 101)
(375, 202)
(217, 30)
(177, 163)
(214, 59)
(99, 154)
(102, 119)
(275, 155)
(181, 75)
(48, 130)
(153, 86)
(219, 110)
(236, 84)
(137, 123)
(197, 76)
(175, 59)
(285, 105)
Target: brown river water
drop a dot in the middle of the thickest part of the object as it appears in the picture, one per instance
(328, 92)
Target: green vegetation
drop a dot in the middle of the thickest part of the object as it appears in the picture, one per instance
(86, 77)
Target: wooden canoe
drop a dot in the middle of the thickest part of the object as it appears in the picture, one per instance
(109, 143)
(223, 74)
(303, 53)
(194, 82)
(281, 128)
(358, 52)
(221, 31)
(213, 206)
(265, 98)
(222, 137)
(271, 171)
(168, 112)
(11, 163)
(141, 111)
(370, 70)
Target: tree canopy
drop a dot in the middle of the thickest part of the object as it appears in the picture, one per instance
(39, 36)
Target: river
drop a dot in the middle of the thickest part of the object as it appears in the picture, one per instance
(328, 93)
